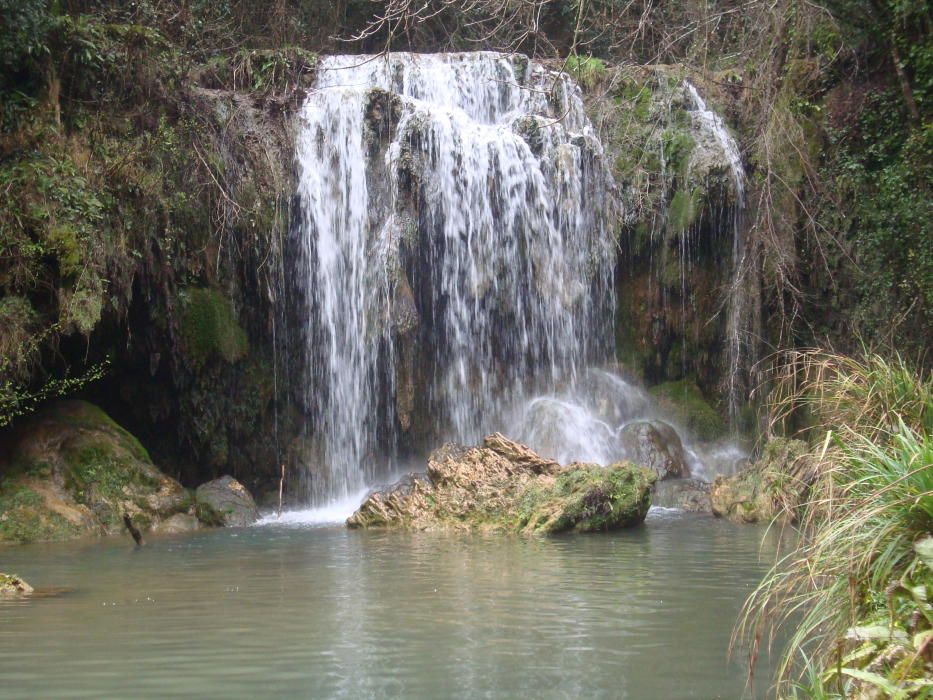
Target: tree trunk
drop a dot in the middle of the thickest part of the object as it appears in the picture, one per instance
(905, 84)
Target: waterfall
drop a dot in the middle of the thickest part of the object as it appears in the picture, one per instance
(453, 251)
(738, 356)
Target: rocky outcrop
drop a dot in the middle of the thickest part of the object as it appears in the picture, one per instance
(656, 445)
(505, 486)
(12, 585)
(70, 470)
(775, 486)
(691, 495)
(228, 502)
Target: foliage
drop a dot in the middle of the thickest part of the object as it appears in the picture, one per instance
(22, 26)
(857, 564)
(266, 70)
(19, 395)
(885, 172)
(586, 70)
(870, 394)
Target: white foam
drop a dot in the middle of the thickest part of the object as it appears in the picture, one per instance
(334, 512)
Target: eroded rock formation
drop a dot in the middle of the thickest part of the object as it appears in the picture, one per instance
(504, 486)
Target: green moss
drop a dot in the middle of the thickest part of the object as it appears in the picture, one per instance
(684, 209)
(685, 404)
(208, 515)
(24, 517)
(586, 70)
(81, 414)
(637, 94)
(209, 327)
(677, 146)
(97, 466)
(84, 307)
(590, 498)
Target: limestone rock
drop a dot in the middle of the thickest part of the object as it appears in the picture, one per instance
(70, 470)
(775, 486)
(519, 454)
(505, 486)
(656, 445)
(229, 500)
(12, 585)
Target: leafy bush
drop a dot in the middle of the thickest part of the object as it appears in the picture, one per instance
(23, 24)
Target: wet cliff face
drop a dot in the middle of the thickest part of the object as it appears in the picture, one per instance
(681, 185)
(199, 359)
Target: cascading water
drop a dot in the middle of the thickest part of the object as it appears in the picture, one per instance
(588, 421)
(737, 302)
(452, 220)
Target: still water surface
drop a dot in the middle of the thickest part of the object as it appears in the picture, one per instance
(320, 612)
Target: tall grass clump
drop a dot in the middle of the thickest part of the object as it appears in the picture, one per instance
(852, 597)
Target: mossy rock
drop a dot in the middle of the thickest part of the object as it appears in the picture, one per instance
(72, 470)
(209, 327)
(225, 502)
(504, 486)
(774, 486)
(588, 498)
(684, 404)
(26, 516)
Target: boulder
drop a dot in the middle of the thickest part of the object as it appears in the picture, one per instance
(12, 585)
(180, 522)
(70, 470)
(227, 503)
(656, 445)
(504, 486)
(774, 486)
(691, 495)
